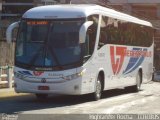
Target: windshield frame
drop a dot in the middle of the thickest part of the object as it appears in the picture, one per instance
(50, 68)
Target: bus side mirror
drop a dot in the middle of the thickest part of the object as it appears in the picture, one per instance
(83, 31)
(10, 30)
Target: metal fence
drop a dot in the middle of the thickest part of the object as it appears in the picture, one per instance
(6, 77)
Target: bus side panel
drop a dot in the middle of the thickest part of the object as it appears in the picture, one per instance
(122, 63)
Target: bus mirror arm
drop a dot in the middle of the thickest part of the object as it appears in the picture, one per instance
(10, 30)
(83, 31)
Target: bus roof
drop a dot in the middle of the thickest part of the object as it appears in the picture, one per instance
(78, 11)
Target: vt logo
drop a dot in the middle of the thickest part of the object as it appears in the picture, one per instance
(117, 58)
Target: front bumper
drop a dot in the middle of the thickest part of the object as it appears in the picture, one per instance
(72, 87)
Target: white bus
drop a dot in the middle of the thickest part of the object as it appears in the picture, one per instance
(80, 49)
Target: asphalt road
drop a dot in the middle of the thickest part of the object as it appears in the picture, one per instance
(113, 101)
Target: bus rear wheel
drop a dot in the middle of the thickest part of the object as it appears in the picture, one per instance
(98, 89)
(41, 96)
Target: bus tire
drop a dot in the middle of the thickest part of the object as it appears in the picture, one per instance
(41, 96)
(98, 89)
(137, 87)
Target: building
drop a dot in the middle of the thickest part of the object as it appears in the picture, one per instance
(12, 10)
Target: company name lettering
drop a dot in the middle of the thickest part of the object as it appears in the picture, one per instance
(137, 53)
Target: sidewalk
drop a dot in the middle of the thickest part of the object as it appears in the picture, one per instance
(6, 92)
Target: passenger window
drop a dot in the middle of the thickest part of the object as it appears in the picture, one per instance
(103, 37)
(92, 32)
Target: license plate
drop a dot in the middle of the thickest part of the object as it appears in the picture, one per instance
(43, 87)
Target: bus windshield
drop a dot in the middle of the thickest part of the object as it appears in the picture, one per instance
(48, 43)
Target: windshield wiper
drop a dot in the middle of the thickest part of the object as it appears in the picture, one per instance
(51, 50)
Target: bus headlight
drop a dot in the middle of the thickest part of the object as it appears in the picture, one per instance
(74, 76)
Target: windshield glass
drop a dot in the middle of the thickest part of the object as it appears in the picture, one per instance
(48, 43)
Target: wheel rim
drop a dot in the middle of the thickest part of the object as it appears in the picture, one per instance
(98, 89)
